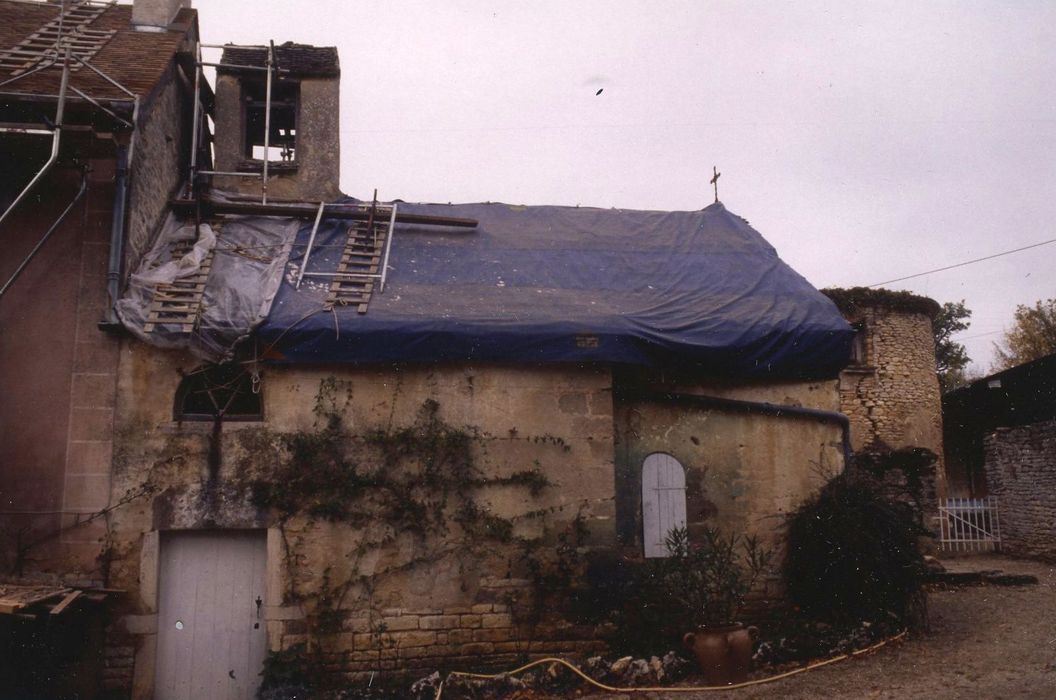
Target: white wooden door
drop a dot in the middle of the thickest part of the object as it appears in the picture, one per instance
(663, 501)
(211, 633)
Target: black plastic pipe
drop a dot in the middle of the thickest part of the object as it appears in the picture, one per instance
(117, 237)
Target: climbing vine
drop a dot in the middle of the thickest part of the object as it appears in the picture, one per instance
(411, 495)
(418, 478)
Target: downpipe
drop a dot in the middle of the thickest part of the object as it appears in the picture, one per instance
(117, 238)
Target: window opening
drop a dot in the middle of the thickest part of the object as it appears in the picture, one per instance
(859, 348)
(282, 144)
(663, 502)
(225, 391)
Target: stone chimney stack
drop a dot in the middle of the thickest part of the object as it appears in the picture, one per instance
(155, 15)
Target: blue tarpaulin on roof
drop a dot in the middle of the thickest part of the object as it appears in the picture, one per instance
(567, 284)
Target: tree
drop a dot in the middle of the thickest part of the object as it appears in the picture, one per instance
(950, 357)
(1033, 335)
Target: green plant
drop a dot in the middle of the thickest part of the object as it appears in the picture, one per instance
(705, 584)
(853, 555)
(292, 672)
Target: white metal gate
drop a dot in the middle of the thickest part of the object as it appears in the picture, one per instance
(969, 524)
(212, 638)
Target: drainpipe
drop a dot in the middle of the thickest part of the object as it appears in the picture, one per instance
(750, 407)
(117, 239)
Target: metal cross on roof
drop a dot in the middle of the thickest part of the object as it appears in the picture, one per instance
(715, 181)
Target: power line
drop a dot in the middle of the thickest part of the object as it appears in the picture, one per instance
(966, 262)
(977, 335)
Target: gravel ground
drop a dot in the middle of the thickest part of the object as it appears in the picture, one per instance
(984, 642)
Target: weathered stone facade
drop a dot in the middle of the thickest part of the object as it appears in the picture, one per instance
(417, 603)
(890, 391)
(1020, 468)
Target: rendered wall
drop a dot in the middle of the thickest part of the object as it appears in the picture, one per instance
(1021, 471)
(744, 473)
(454, 606)
(316, 172)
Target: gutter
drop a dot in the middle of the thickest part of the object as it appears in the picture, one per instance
(749, 407)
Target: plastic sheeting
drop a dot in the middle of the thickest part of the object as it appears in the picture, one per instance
(249, 255)
(695, 289)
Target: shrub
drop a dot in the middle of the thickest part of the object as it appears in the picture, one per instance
(648, 605)
(853, 555)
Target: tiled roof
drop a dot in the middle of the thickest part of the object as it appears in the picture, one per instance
(299, 59)
(136, 59)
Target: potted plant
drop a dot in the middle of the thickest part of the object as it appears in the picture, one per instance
(704, 586)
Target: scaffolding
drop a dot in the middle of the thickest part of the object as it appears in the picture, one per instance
(67, 43)
(272, 71)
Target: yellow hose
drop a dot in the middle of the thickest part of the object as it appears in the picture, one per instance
(670, 689)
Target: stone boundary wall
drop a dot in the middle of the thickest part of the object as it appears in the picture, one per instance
(1020, 468)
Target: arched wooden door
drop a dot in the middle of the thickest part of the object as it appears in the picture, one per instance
(663, 501)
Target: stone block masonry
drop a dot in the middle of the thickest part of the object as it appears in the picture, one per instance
(453, 637)
(1020, 468)
(890, 391)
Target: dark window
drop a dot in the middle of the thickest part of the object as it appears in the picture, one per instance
(227, 391)
(282, 145)
(859, 346)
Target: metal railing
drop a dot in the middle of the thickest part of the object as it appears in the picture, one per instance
(969, 524)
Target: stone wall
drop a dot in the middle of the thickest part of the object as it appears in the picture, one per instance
(891, 393)
(1020, 468)
(158, 165)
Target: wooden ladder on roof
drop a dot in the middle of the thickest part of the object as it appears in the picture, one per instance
(70, 29)
(179, 303)
(361, 262)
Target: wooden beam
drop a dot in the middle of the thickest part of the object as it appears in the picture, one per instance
(307, 211)
(65, 602)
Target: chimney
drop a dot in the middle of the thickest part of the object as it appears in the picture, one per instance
(155, 15)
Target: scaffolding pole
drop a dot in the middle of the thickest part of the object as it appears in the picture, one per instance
(388, 245)
(267, 126)
(56, 139)
(195, 126)
(47, 235)
(311, 242)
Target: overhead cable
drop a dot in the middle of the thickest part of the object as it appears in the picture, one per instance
(966, 262)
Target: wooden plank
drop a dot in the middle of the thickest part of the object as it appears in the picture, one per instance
(300, 210)
(65, 602)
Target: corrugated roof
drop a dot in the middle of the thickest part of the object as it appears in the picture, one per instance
(136, 59)
(299, 59)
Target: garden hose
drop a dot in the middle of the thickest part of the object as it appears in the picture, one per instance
(670, 689)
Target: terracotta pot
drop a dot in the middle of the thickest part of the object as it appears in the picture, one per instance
(724, 653)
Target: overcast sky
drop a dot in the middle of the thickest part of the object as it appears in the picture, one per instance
(864, 141)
